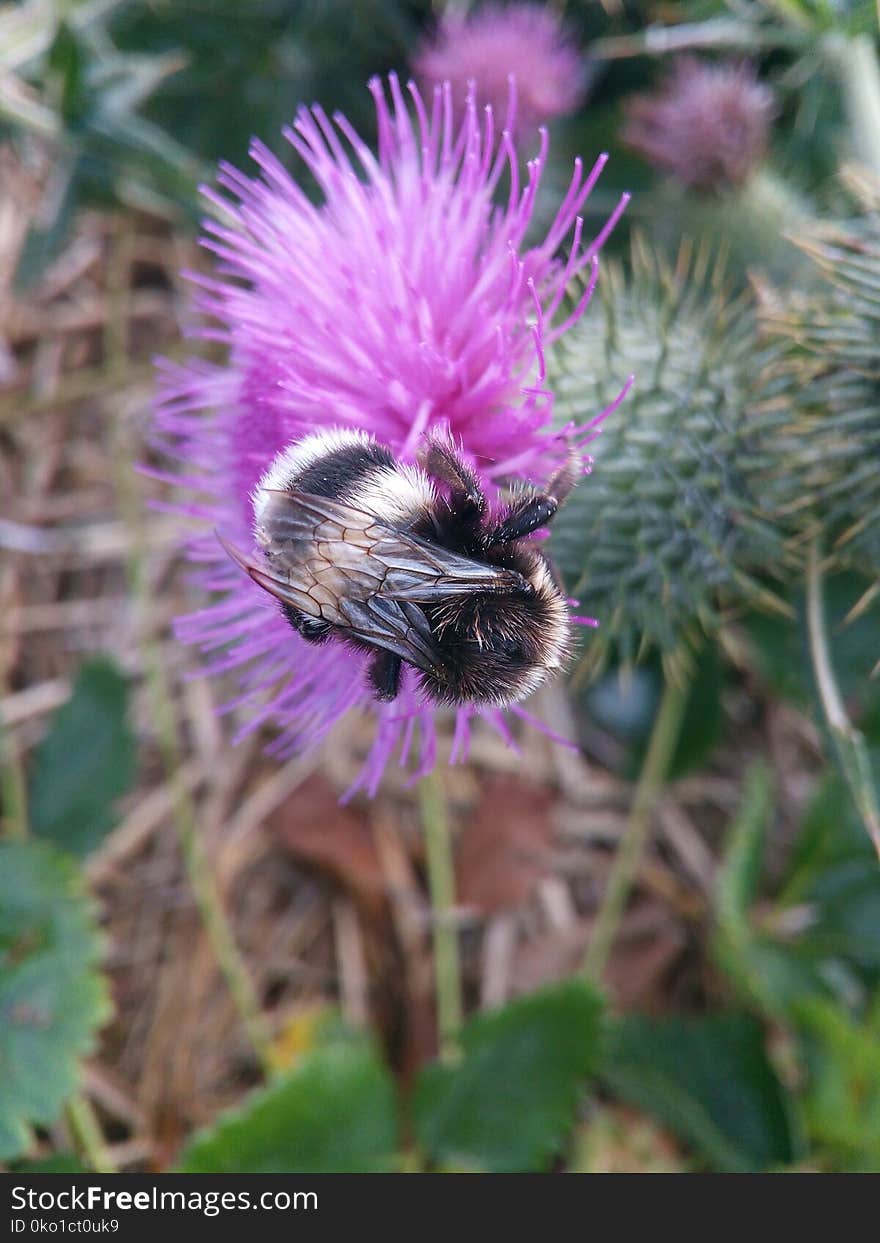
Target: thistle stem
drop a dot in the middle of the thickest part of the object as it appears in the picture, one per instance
(854, 60)
(661, 747)
(86, 1134)
(217, 926)
(13, 787)
(441, 886)
(849, 743)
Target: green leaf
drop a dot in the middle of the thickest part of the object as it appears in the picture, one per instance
(781, 649)
(834, 872)
(333, 1113)
(823, 931)
(67, 71)
(509, 1104)
(85, 762)
(779, 654)
(52, 1000)
(767, 973)
(268, 55)
(58, 1163)
(709, 1081)
(831, 834)
(735, 938)
(842, 1101)
(47, 239)
(741, 866)
(702, 724)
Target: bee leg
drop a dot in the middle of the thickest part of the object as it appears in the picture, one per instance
(523, 517)
(311, 629)
(442, 462)
(384, 674)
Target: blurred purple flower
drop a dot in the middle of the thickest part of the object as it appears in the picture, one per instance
(400, 303)
(708, 124)
(498, 41)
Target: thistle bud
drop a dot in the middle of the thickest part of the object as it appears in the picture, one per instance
(661, 539)
(817, 424)
(708, 124)
(488, 47)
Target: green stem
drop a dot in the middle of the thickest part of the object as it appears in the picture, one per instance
(217, 926)
(664, 736)
(86, 1134)
(849, 743)
(714, 34)
(854, 61)
(13, 787)
(441, 885)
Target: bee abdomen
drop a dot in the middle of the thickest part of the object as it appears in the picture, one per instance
(348, 465)
(340, 471)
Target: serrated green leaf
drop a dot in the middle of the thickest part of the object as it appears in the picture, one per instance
(709, 1081)
(85, 763)
(333, 1113)
(509, 1104)
(52, 1000)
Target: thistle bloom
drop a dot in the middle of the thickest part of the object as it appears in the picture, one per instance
(497, 41)
(708, 124)
(403, 302)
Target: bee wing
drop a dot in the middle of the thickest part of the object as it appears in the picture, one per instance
(377, 560)
(399, 627)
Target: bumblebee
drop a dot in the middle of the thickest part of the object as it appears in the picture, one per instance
(407, 563)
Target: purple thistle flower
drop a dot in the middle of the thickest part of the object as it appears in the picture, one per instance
(708, 124)
(402, 303)
(487, 46)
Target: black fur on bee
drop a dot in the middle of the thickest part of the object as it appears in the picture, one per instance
(406, 562)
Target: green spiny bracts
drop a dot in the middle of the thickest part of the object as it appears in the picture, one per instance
(817, 425)
(659, 539)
